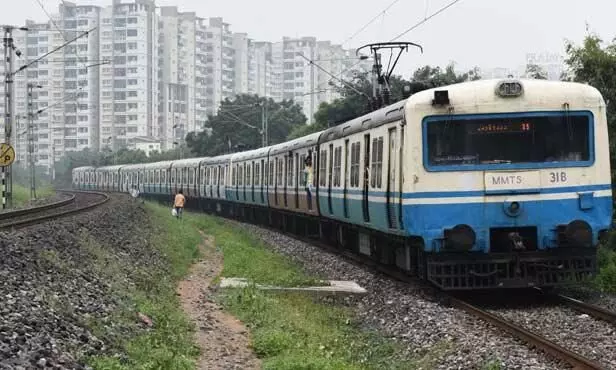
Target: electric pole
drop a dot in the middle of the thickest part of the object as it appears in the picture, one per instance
(31, 159)
(9, 48)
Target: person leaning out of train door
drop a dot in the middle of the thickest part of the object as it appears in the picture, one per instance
(178, 204)
(308, 173)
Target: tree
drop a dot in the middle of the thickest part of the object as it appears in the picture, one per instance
(595, 64)
(536, 72)
(230, 127)
(354, 100)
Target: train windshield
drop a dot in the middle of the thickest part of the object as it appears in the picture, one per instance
(508, 140)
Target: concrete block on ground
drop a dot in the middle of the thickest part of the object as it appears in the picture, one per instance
(333, 287)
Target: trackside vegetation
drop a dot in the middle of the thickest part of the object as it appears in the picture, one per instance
(150, 289)
(293, 330)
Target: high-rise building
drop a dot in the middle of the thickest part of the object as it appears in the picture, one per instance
(181, 72)
(129, 85)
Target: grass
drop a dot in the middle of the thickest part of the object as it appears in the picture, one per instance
(606, 258)
(292, 330)
(150, 289)
(21, 194)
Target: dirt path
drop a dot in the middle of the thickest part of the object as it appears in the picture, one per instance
(223, 340)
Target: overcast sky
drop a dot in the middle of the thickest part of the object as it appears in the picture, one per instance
(486, 33)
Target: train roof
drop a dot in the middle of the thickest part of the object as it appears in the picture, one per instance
(158, 165)
(300, 142)
(136, 166)
(545, 93)
(188, 162)
(83, 168)
(218, 159)
(250, 154)
(115, 167)
(390, 113)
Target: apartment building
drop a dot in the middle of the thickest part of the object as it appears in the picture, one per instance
(181, 73)
(129, 85)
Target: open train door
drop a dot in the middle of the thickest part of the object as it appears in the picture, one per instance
(392, 183)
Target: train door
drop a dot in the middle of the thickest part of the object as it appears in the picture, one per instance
(263, 181)
(276, 180)
(297, 167)
(392, 163)
(329, 171)
(347, 154)
(286, 169)
(253, 177)
(365, 171)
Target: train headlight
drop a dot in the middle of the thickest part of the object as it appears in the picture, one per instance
(509, 88)
(579, 233)
(461, 237)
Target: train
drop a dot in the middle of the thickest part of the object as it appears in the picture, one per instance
(487, 184)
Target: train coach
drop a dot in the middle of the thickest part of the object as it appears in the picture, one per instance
(482, 184)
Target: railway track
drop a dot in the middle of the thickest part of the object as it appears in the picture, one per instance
(576, 360)
(77, 201)
(589, 309)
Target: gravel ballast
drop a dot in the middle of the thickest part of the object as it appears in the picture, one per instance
(591, 338)
(404, 312)
(50, 291)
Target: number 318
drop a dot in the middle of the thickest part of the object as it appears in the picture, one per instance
(558, 177)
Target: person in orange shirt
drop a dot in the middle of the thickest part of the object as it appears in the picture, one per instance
(179, 204)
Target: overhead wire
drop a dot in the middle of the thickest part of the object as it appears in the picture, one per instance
(426, 19)
(382, 12)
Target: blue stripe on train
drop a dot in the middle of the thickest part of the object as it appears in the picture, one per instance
(471, 193)
(429, 220)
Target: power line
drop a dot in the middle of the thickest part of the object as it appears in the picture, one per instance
(426, 19)
(382, 12)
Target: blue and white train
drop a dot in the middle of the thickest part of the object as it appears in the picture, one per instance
(483, 184)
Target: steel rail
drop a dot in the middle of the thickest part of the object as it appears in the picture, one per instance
(31, 210)
(555, 350)
(39, 219)
(587, 308)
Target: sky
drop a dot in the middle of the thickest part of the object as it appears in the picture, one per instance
(484, 33)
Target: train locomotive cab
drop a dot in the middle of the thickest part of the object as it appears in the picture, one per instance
(509, 182)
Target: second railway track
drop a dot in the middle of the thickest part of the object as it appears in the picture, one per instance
(77, 201)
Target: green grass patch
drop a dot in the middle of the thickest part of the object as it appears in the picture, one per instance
(606, 259)
(21, 194)
(149, 288)
(293, 330)
(247, 257)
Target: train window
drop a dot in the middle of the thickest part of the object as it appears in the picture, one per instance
(323, 168)
(233, 177)
(509, 139)
(157, 177)
(240, 175)
(185, 176)
(224, 174)
(279, 171)
(289, 171)
(257, 177)
(248, 173)
(337, 165)
(377, 163)
(191, 176)
(354, 177)
(163, 176)
(271, 172)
